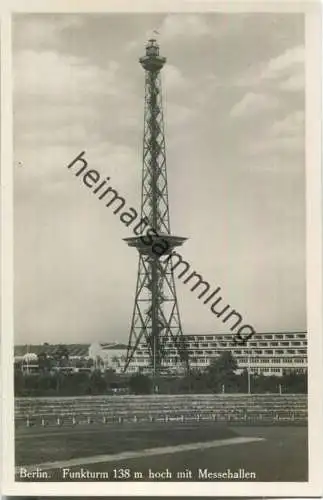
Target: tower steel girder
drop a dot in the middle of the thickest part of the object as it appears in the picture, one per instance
(156, 320)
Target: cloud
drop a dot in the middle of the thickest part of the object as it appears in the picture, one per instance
(291, 125)
(50, 114)
(289, 62)
(285, 72)
(63, 77)
(177, 114)
(183, 26)
(173, 78)
(43, 30)
(284, 136)
(294, 83)
(66, 103)
(278, 145)
(71, 133)
(57, 105)
(44, 169)
(252, 104)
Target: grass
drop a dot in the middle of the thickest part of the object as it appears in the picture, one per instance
(37, 445)
(282, 456)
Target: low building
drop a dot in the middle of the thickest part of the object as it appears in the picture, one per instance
(108, 355)
(75, 351)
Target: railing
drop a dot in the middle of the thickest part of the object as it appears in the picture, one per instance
(237, 409)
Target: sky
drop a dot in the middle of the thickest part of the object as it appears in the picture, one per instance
(233, 90)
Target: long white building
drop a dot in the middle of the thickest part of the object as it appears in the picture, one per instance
(265, 353)
(274, 353)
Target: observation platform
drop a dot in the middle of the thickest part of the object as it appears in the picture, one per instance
(152, 61)
(158, 245)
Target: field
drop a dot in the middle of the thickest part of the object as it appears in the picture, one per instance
(138, 451)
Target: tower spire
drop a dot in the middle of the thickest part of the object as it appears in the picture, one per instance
(156, 324)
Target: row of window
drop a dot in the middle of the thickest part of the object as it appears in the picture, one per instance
(246, 351)
(236, 353)
(242, 361)
(272, 360)
(198, 345)
(229, 337)
(226, 340)
(275, 370)
(249, 344)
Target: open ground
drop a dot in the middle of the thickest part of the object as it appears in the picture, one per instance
(272, 453)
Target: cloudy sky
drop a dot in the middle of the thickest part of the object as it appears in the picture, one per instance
(234, 109)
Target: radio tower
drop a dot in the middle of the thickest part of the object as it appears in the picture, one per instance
(156, 323)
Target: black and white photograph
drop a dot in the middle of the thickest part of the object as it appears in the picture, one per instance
(161, 320)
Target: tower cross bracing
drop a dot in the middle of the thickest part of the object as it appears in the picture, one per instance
(156, 319)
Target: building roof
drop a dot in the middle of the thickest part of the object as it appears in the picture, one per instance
(83, 349)
(50, 349)
(112, 345)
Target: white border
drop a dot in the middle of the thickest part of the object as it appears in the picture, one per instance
(314, 255)
(7, 327)
(314, 206)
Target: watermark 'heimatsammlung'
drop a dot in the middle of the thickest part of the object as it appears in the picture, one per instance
(141, 227)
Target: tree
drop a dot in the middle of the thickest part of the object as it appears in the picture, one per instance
(98, 383)
(116, 362)
(61, 356)
(221, 373)
(44, 362)
(97, 363)
(140, 384)
(294, 382)
(89, 363)
(19, 383)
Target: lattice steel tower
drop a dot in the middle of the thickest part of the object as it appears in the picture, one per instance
(156, 320)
